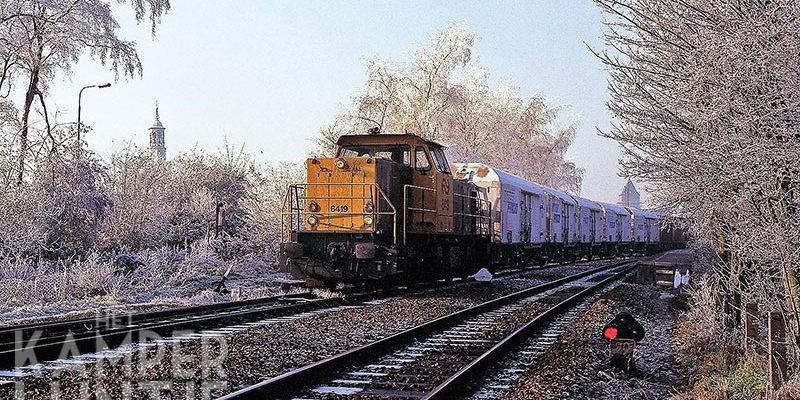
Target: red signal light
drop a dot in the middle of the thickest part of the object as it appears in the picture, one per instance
(610, 332)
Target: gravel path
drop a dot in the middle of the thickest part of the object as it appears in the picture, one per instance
(577, 367)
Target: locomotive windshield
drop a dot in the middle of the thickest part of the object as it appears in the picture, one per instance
(440, 160)
(398, 153)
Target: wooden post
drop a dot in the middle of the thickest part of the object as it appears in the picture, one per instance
(750, 324)
(218, 216)
(776, 329)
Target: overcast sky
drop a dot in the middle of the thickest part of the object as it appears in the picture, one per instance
(269, 74)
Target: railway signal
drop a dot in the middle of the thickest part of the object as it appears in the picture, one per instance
(622, 334)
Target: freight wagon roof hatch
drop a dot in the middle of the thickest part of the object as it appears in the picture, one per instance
(650, 214)
(636, 212)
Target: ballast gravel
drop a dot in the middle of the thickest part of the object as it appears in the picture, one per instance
(212, 366)
(577, 366)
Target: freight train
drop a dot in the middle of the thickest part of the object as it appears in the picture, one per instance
(390, 207)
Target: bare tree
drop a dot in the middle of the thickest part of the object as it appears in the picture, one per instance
(39, 38)
(706, 95)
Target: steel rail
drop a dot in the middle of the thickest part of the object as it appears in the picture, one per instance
(459, 382)
(89, 335)
(305, 376)
(137, 316)
(48, 348)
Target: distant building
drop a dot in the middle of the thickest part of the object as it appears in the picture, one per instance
(157, 138)
(630, 196)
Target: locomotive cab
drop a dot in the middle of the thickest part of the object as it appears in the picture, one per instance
(354, 217)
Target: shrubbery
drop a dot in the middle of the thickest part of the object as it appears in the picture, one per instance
(136, 228)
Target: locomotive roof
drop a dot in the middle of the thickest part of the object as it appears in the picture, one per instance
(385, 138)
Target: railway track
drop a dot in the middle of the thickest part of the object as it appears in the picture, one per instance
(26, 345)
(44, 342)
(437, 359)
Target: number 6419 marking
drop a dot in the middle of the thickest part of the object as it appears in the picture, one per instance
(340, 209)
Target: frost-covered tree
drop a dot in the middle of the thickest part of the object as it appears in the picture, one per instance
(441, 95)
(40, 38)
(504, 129)
(707, 99)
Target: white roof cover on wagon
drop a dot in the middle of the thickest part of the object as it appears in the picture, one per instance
(650, 214)
(619, 210)
(505, 178)
(636, 212)
(567, 199)
(586, 203)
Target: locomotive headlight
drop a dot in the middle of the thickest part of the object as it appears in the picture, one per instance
(341, 163)
(369, 207)
(368, 220)
(312, 220)
(313, 207)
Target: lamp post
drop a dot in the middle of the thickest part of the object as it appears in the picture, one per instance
(80, 94)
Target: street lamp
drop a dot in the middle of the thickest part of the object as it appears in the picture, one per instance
(100, 86)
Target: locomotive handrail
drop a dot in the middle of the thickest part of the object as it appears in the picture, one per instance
(480, 218)
(407, 208)
(299, 211)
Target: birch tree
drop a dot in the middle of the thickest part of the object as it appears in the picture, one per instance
(440, 94)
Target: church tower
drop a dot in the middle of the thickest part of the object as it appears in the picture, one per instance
(630, 196)
(157, 138)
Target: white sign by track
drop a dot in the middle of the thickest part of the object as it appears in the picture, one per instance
(483, 275)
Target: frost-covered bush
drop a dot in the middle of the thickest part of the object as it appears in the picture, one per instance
(225, 177)
(140, 187)
(77, 204)
(148, 275)
(59, 213)
(20, 213)
(700, 330)
(93, 277)
(264, 204)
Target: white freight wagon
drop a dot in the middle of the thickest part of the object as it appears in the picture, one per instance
(652, 226)
(637, 225)
(564, 217)
(589, 221)
(519, 215)
(617, 220)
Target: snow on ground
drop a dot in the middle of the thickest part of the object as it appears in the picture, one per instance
(154, 280)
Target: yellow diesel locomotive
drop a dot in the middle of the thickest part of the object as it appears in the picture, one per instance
(385, 207)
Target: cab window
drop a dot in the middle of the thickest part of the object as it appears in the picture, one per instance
(400, 154)
(421, 163)
(441, 161)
